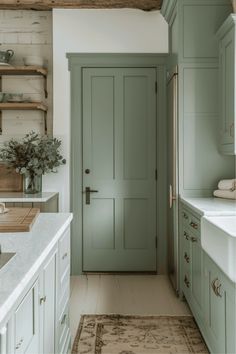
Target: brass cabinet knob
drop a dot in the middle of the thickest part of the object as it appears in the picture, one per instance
(42, 300)
(64, 255)
(63, 319)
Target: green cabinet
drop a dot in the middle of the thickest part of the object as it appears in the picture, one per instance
(26, 323)
(191, 263)
(227, 57)
(47, 304)
(209, 292)
(219, 309)
(39, 321)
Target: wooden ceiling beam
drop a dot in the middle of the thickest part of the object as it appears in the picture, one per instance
(146, 5)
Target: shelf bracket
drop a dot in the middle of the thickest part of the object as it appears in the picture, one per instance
(45, 123)
(45, 86)
(0, 110)
(0, 122)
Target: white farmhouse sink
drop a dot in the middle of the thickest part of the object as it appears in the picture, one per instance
(218, 238)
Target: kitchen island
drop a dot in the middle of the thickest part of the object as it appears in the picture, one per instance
(34, 288)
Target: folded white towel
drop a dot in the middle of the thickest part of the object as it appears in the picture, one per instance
(225, 194)
(227, 184)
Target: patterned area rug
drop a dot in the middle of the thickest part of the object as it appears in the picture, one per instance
(115, 334)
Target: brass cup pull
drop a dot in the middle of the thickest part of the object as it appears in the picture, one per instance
(186, 257)
(186, 235)
(185, 216)
(87, 194)
(194, 225)
(193, 239)
(187, 282)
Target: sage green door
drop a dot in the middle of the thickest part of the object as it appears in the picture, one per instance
(119, 162)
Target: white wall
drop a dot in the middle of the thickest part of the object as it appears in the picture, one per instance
(90, 31)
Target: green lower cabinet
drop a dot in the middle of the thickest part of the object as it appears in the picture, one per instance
(192, 262)
(219, 309)
(38, 322)
(209, 292)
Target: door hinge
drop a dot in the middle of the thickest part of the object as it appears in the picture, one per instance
(156, 242)
(156, 175)
(156, 87)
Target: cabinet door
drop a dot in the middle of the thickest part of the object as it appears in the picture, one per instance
(214, 294)
(227, 83)
(3, 340)
(26, 319)
(47, 301)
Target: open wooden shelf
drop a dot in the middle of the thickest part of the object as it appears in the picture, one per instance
(23, 70)
(23, 106)
(6, 70)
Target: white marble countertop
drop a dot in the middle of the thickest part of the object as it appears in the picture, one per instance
(211, 206)
(20, 197)
(31, 250)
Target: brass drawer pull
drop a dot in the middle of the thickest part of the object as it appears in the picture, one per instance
(194, 225)
(186, 235)
(63, 319)
(193, 239)
(19, 344)
(185, 216)
(186, 257)
(64, 255)
(187, 282)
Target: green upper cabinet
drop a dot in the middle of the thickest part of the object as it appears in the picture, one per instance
(227, 58)
(193, 26)
(194, 49)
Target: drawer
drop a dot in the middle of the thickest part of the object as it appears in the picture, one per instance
(191, 222)
(64, 252)
(63, 327)
(194, 225)
(26, 322)
(190, 236)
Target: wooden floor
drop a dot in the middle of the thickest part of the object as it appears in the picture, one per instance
(122, 294)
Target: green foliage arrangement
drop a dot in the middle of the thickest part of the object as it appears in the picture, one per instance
(34, 155)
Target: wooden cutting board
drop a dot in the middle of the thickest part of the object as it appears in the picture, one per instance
(18, 219)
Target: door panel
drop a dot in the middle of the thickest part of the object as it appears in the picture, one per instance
(135, 127)
(119, 149)
(103, 232)
(135, 223)
(102, 127)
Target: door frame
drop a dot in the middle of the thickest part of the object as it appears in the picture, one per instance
(78, 61)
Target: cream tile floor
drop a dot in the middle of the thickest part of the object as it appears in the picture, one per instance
(122, 294)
